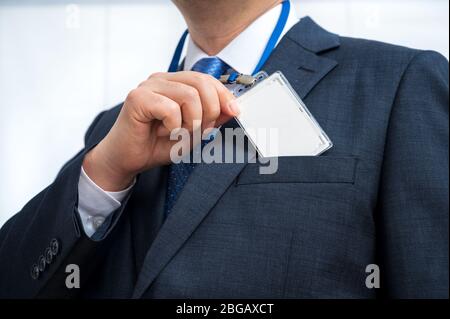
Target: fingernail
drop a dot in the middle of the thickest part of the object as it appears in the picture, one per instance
(210, 125)
(176, 131)
(234, 107)
(196, 125)
(207, 132)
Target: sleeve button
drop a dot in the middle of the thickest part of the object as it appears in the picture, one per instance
(42, 263)
(35, 272)
(54, 246)
(48, 255)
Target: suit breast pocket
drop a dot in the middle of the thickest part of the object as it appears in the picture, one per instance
(305, 169)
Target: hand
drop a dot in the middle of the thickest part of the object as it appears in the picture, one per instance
(140, 137)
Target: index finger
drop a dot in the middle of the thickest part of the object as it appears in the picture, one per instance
(197, 79)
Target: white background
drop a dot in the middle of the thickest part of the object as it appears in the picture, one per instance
(62, 62)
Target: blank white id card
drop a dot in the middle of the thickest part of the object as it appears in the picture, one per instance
(277, 122)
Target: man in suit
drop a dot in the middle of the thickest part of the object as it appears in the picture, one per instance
(137, 226)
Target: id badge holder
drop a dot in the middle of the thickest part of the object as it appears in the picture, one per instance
(275, 119)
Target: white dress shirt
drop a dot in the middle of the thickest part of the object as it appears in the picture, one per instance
(242, 54)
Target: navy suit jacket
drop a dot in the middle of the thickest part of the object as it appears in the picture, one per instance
(379, 196)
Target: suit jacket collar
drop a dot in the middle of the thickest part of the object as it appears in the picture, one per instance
(312, 37)
(297, 56)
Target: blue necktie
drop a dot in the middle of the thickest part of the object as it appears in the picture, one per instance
(179, 173)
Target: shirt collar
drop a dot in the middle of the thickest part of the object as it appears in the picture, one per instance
(245, 51)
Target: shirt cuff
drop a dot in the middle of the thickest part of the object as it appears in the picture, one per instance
(95, 204)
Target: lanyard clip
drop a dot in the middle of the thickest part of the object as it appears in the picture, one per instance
(238, 78)
(238, 84)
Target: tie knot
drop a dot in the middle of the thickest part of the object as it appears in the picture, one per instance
(212, 66)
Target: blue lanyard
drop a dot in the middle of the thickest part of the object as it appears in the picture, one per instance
(276, 34)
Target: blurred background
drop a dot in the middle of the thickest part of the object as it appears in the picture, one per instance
(62, 62)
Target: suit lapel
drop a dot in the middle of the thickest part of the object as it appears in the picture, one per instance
(297, 57)
(205, 186)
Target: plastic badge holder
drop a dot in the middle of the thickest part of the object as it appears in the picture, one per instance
(272, 107)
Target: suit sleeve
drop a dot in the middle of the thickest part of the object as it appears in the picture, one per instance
(39, 242)
(413, 209)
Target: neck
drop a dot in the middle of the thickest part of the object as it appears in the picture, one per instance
(213, 27)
